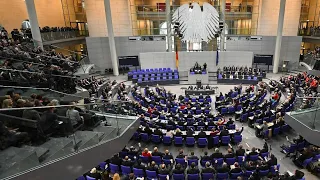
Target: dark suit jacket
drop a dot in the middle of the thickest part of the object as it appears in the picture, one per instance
(127, 163)
(152, 168)
(202, 135)
(178, 171)
(156, 154)
(167, 156)
(217, 155)
(224, 133)
(235, 170)
(193, 171)
(193, 157)
(207, 170)
(205, 158)
(240, 152)
(222, 170)
(229, 155)
(164, 171)
(116, 161)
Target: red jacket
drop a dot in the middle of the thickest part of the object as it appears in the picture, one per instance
(146, 154)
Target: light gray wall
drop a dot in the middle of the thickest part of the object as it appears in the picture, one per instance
(188, 59)
(290, 48)
(99, 51)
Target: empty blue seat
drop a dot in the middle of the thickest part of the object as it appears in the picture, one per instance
(126, 170)
(144, 137)
(114, 168)
(178, 141)
(207, 176)
(218, 161)
(163, 176)
(202, 142)
(244, 117)
(176, 77)
(170, 78)
(151, 174)
(230, 161)
(276, 131)
(167, 140)
(190, 141)
(156, 159)
(232, 109)
(215, 140)
(225, 140)
(155, 139)
(237, 139)
(263, 172)
(254, 157)
(224, 111)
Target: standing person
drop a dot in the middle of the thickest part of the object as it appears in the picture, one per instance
(73, 115)
(205, 66)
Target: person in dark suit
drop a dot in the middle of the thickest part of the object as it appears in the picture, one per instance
(306, 154)
(178, 169)
(178, 133)
(127, 162)
(253, 152)
(250, 166)
(192, 156)
(138, 165)
(133, 151)
(272, 161)
(157, 131)
(236, 169)
(205, 157)
(216, 154)
(181, 155)
(116, 160)
(202, 134)
(230, 154)
(207, 168)
(148, 130)
(156, 152)
(190, 132)
(240, 151)
(49, 120)
(163, 170)
(224, 132)
(192, 169)
(223, 169)
(167, 155)
(263, 167)
(152, 167)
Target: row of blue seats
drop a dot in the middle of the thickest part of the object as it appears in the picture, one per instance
(154, 75)
(249, 77)
(189, 141)
(158, 79)
(154, 70)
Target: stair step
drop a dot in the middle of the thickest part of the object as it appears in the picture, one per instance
(40, 151)
(86, 139)
(14, 160)
(58, 147)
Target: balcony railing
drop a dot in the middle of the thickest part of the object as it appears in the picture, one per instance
(52, 36)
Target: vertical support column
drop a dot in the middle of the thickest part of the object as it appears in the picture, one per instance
(279, 36)
(112, 45)
(168, 17)
(222, 19)
(32, 13)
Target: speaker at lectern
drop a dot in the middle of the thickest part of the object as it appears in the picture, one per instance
(198, 83)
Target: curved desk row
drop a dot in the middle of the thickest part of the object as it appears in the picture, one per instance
(200, 91)
(237, 81)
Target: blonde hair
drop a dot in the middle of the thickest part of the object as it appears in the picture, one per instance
(116, 176)
(7, 103)
(93, 170)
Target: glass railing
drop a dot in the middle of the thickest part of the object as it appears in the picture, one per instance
(46, 134)
(307, 111)
(52, 36)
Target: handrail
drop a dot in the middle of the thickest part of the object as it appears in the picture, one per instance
(21, 60)
(4, 69)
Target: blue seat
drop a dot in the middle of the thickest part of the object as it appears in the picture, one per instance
(195, 161)
(244, 117)
(276, 131)
(207, 176)
(225, 140)
(144, 159)
(224, 111)
(193, 177)
(237, 139)
(181, 161)
(203, 162)
(163, 176)
(167, 161)
(178, 176)
(178, 141)
(126, 170)
(138, 172)
(254, 157)
(156, 159)
(263, 172)
(215, 140)
(222, 176)
(285, 128)
(316, 158)
(144, 137)
(259, 121)
(241, 159)
(90, 178)
(114, 168)
(155, 139)
(291, 149)
(306, 162)
(232, 110)
(190, 141)
(167, 140)
(176, 77)
(247, 174)
(230, 161)
(102, 165)
(151, 174)
(273, 171)
(202, 142)
(218, 161)
(235, 175)
(266, 154)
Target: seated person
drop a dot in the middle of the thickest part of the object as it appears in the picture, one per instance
(31, 113)
(253, 152)
(146, 153)
(202, 134)
(163, 170)
(236, 168)
(74, 115)
(207, 168)
(127, 162)
(147, 130)
(49, 120)
(94, 174)
(178, 169)
(217, 154)
(230, 154)
(181, 155)
(208, 87)
(11, 137)
(205, 157)
(193, 169)
(240, 151)
(116, 160)
(250, 166)
(272, 161)
(167, 155)
(192, 156)
(138, 165)
(190, 132)
(223, 169)
(156, 152)
(152, 167)
(263, 167)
